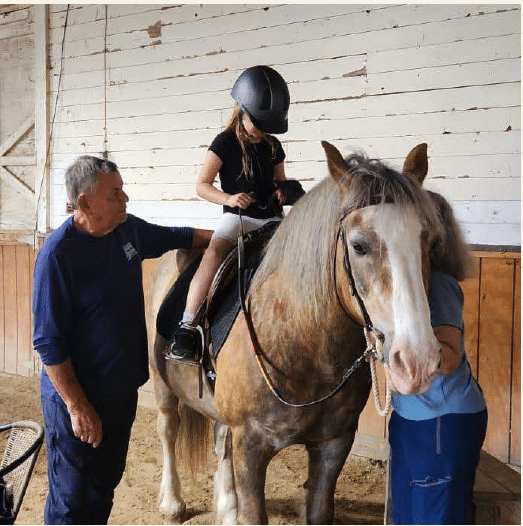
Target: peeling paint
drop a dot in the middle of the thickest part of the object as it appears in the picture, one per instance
(155, 31)
(356, 73)
(218, 52)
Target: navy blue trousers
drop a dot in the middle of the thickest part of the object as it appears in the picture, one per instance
(82, 479)
(433, 467)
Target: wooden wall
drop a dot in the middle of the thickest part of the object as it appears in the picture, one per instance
(16, 279)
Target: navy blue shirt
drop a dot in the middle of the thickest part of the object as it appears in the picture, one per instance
(88, 304)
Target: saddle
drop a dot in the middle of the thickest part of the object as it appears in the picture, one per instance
(222, 305)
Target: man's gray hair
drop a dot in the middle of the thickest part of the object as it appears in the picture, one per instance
(81, 177)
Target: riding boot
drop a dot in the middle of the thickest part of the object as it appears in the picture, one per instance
(185, 347)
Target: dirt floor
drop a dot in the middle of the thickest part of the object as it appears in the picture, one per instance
(359, 494)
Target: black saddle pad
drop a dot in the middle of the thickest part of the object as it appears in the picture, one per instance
(225, 305)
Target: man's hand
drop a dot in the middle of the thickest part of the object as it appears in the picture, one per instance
(86, 424)
(85, 421)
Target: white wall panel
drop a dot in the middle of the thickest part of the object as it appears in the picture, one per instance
(378, 78)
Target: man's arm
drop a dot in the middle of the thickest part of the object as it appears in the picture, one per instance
(85, 421)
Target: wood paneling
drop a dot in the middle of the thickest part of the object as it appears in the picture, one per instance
(16, 269)
(495, 349)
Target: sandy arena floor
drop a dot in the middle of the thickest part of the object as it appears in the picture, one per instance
(359, 494)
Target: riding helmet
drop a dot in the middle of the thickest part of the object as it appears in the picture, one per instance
(263, 94)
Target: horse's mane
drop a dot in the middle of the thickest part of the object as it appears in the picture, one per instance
(301, 250)
(450, 253)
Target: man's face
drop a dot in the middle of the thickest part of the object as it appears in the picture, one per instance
(107, 206)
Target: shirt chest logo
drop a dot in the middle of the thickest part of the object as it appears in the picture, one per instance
(130, 251)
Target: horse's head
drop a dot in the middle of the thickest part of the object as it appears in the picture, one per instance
(388, 224)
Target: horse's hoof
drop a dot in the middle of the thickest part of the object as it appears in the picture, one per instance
(176, 518)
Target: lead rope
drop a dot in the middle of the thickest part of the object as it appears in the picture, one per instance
(382, 411)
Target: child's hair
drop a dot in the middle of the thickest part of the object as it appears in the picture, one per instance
(236, 123)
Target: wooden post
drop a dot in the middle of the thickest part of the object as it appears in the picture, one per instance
(42, 186)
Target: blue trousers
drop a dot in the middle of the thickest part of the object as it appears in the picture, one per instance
(433, 467)
(82, 479)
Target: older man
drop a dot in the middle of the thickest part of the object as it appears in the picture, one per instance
(89, 329)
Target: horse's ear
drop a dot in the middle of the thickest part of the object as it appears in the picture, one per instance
(417, 162)
(337, 166)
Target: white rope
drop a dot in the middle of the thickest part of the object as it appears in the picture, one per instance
(378, 352)
(383, 411)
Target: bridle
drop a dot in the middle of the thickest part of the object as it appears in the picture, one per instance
(373, 351)
(377, 349)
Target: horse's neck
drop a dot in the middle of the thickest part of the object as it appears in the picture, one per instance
(285, 327)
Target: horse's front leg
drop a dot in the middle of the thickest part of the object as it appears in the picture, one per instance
(225, 500)
(326, 461)
(172, 506)
(251, 458)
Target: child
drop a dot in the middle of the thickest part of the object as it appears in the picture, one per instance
(249, 162)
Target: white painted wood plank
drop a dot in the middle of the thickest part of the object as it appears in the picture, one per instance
(426, 125)
(16, 29)
(492, 212)
(390, 147)
(19, 15)
(42, 205)
(488, 234)
(477, 74)
(448, 100)
(496, 189)
(468, 51)
(457, 99)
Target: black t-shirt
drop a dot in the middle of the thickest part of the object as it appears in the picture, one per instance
(261, 184)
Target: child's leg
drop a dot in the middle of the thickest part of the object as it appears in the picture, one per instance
(212, 259)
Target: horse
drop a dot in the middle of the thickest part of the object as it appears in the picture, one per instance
(349, 266)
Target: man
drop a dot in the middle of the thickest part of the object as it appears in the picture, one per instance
(89, 329)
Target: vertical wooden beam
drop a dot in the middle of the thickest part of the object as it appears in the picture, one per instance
(36, 365)
(10, 308)
(2, 311)
(42, 183)
(515, 409)
(23, 302)
(471, 316)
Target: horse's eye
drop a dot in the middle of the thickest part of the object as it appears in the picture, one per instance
(359, 249)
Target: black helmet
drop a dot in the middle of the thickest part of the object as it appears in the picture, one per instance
(263, 94)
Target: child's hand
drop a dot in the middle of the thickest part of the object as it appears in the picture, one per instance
(242, 200)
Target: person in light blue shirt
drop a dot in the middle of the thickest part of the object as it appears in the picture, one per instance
(436, 437)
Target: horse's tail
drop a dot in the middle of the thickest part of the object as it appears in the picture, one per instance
(193, 440)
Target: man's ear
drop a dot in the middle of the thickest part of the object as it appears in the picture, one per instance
(83, 203)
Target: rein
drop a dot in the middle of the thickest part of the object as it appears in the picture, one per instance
(370, 354)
